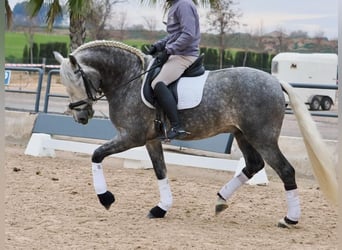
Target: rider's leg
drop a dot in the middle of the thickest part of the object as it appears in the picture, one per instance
(168, 103)
(171, 71)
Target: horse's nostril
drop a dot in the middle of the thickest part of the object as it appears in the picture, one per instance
(83, 120)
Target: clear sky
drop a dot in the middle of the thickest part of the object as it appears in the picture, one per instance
(311, 16)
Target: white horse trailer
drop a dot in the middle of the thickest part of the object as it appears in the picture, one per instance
(314, 69)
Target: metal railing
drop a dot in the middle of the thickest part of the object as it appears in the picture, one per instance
(48, 88)
(37, 92)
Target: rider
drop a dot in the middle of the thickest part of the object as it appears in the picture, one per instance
(181, 49)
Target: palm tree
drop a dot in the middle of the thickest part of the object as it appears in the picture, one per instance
(78, 10)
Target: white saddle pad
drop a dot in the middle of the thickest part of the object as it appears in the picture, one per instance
(190, 91)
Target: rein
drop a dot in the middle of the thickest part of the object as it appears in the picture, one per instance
(141, 74)
(89, 86)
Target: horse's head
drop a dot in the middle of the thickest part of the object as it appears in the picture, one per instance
(82, 85)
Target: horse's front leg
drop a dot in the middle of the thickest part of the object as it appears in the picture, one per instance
(116, 145)
(155, 151)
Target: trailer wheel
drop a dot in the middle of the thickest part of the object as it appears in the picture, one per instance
(326, 103)
(315, 104)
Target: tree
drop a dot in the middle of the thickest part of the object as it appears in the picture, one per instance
(280, 35)
(98, 17)
(298, 34)
(21, 16)
(29, 35)
(151, 23)
(319, 37)
(121, 24)
(259, 34)
(222, 18)
(8, 12)
(78, 11)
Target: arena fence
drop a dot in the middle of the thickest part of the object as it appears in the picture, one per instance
(37, 92)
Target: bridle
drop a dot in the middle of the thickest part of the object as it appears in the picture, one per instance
(89, 86)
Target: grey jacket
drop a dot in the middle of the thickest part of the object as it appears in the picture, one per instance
(183, 30)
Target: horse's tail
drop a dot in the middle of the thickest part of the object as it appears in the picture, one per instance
(320, 157)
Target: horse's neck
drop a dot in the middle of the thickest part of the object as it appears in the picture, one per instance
(124, 88)
(118, 69)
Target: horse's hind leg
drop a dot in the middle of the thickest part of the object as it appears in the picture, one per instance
(270, 152)
(286, 172)
(155, 151)
(254, 163)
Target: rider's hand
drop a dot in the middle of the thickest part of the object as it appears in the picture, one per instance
(163, 57)
(152, 50)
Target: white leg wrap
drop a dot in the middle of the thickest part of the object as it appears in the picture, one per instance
(293, 205)
(98, 178)
(227, 190)
(165, 194)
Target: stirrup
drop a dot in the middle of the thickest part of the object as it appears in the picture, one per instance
(175, 133)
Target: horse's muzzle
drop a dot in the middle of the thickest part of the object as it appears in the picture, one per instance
(83, 115)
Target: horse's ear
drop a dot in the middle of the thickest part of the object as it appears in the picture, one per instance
(73, 60)
(58, 56)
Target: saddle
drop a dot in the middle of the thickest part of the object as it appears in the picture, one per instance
(195, 69)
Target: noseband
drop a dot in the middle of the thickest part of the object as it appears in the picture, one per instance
(89, 86)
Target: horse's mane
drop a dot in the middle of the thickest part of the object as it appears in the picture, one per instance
(114, 44)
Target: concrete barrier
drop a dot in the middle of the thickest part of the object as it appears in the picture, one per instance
(47, 125)
(18, 126)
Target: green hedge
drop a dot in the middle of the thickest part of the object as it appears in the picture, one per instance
(35, 54)
(44, 50)
(236, 58)
(231, 58)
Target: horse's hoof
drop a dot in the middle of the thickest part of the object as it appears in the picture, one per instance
(286, 223)
(106, 199)
(156, 212)
(221, 205)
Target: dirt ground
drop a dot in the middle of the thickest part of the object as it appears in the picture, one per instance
(51, 204)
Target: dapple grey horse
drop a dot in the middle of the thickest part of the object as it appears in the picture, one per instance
(246, 102)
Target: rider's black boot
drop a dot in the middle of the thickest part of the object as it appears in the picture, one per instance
(168, 103)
